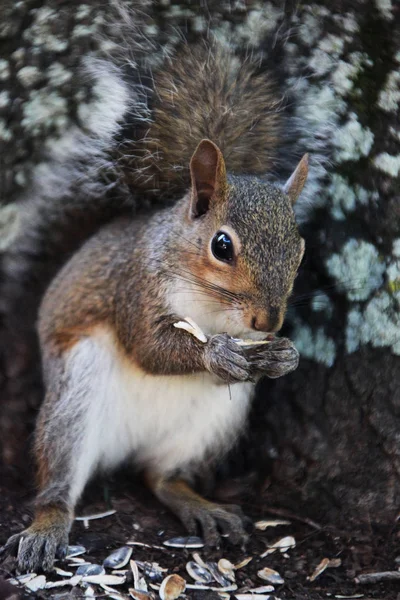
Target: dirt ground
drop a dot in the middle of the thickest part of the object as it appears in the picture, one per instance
(140, 517)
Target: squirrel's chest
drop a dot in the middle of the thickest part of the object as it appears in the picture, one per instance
(163, 422)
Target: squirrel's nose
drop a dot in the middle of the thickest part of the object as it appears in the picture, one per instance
(270, 320)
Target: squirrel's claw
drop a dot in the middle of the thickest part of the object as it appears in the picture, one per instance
(10, 548)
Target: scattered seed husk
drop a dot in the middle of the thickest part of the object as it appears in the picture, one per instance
(196, 586)
(243, 563)
(90, 569)
(104, 579)
(118, 559)
(62, 572)
(95, 516)
(227, 569)
(111, 592)
(72, 581)
(152, 570)
(198, 573)
(271, 576)
(263, 589)
(23, 579)
(36, 583)
(138, 595)
(172, 587)
(252, 342)
(191, 541)
(262, 525)
(138, 581)
(191, 327)
(114, 595)
(217, 575)
(133, 543)
(89, 592)
(74, 561)
(349, 597)
(251, 596)
(135, 572)
(282, 545)
(325, 563)
(199, 560)
(73, 551)
(380, 576)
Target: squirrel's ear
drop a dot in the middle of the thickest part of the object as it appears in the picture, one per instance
(296, 181)
(208, 175)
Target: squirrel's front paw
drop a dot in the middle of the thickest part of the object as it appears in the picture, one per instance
(275, 359)
(226, 359)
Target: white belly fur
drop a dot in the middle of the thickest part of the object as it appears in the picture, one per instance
(165, 422)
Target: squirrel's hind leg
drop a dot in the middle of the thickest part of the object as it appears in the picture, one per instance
(66, 456)
(197, 512)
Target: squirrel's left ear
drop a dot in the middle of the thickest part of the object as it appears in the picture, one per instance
(208, 175)
(296, 181)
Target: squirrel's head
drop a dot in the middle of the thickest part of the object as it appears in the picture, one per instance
(243, 248)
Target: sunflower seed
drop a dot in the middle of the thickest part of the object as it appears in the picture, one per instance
(74, 562)
(89, 592)
(227, 569)
(107, 513)
(104, 579)
(325, 563)
(119, 558)
(37, 583)
(251, 597)
(244, 562)
(197, 586)
(152, 570)
(198, 573)
(62, 572)
(90, 569)
(262, 525)
(138, 595)
(185, 542)
(111, 592)
(172, 587)
(270, 575)
(282, 545)
(73, 551)
(23, 579)
(133, 543)
(217, 575)
(262, 589)
(72, 582)
(191, 327)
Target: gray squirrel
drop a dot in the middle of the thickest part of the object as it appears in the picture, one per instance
(122, 381)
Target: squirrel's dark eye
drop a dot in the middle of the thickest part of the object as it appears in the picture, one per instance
(222, 247)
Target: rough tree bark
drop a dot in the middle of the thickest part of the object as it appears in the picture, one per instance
(326, 437)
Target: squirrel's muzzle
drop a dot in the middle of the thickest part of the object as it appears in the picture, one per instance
(270, 320)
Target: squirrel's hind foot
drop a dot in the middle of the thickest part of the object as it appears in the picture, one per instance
(214, 520)
(38, 546)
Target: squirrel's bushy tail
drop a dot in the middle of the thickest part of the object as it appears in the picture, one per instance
(204, 91)
(74, 191)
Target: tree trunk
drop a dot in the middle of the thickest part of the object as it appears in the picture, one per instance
(325, 437)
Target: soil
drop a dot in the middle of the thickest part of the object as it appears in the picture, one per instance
(140, 517)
